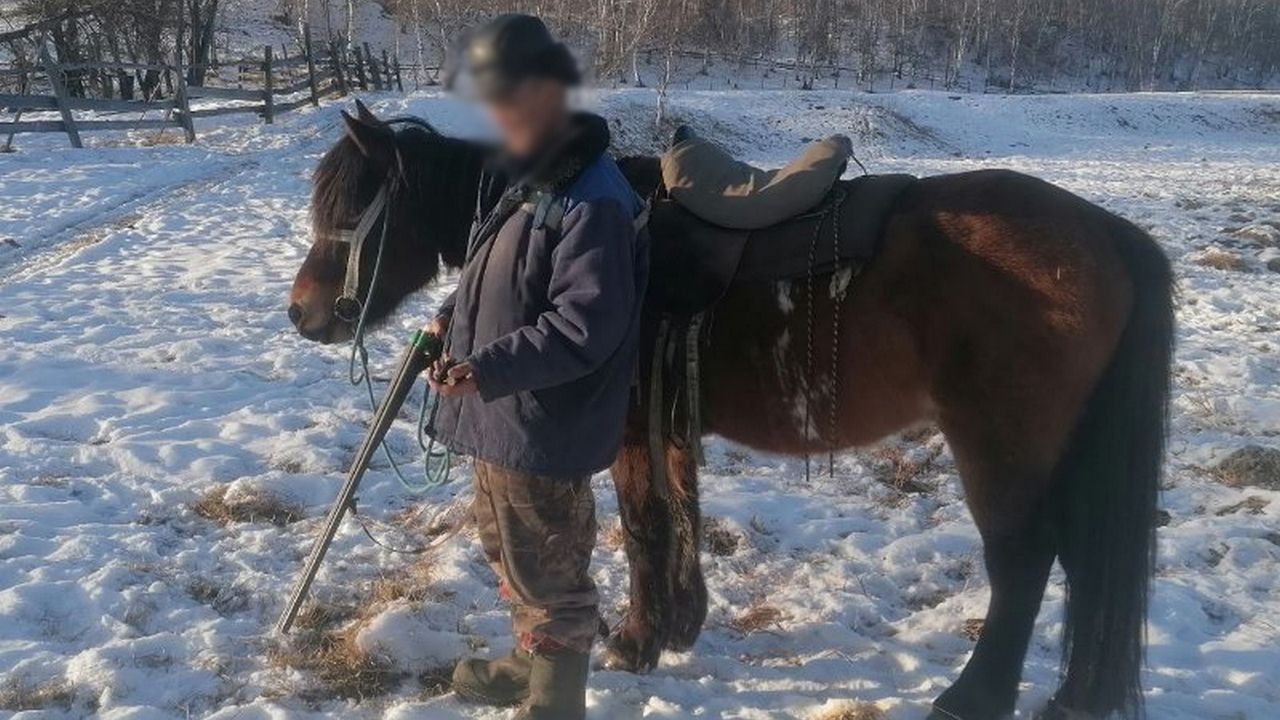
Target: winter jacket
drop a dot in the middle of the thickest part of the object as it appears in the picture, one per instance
(548, 315)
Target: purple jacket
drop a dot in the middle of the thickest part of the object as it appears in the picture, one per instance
(549, 321)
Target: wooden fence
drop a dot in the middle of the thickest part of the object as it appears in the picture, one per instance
(274, 84)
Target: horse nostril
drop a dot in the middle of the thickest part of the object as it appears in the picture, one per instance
(295, 314)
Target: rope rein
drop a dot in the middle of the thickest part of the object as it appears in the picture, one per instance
(436, 461)
(839, 286)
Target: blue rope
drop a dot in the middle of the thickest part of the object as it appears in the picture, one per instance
(436, 463)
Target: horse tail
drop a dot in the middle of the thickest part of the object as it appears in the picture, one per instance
(1110, 480)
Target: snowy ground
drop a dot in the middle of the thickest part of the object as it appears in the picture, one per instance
(145, 360)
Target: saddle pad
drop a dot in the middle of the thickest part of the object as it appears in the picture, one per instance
(694, 262)
(725, 191)
(781, 252)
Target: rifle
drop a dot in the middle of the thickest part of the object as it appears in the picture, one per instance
(423, 350)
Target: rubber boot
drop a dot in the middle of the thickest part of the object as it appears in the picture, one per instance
(557, 687)
(500, 683)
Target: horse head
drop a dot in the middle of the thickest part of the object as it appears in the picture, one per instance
(390, 201)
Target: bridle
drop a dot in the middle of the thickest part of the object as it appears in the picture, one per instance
(348, 307)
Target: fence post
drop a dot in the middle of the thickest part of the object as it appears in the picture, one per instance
(311, 65)
(60, 94)
(8, 143)
(364, 83)
(339, 74)
(386, 69)
(373, 67)
(268, 88)
(399, 79)
(183, 104)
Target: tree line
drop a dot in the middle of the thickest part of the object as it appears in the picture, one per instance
(1104, 45)
(144, 32)
(1099, 45)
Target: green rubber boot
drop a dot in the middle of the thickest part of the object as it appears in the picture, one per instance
(501, 683)
(557, 687)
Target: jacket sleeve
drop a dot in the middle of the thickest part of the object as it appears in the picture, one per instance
(446, 308)
(592, 294)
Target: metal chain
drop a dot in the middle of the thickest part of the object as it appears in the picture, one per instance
(808, 336)
(837, 297)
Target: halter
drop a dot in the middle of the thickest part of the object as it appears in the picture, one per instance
(348, 307)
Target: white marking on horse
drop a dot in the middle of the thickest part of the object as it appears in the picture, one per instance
(785, 303)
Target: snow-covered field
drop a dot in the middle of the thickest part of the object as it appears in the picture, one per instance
(146, 361)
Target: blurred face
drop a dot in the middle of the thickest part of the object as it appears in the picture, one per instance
(529, 114)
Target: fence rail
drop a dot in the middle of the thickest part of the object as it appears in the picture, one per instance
(266, 86)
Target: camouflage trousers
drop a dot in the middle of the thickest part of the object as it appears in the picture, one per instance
(538, 534)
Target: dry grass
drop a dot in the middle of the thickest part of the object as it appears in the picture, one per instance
(718, 538)
(1250, 466)
(225, 599)
(919, 434)
(1219, 259)
(757, 618)
(245, 507)
(319, 616)
(16, 694)
(338, 667)
(435, 682)
(444, 524)
(900, 472)
(168, 136)
(850, 711)
(972, 628)
(1253, 505)
(614, 537)
(412, 584)
(324, 642)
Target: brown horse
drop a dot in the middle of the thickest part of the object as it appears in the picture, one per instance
(1032, 326)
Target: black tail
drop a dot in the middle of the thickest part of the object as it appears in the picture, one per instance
(1110, 479)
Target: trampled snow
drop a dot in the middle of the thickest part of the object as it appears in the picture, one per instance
(146, 360)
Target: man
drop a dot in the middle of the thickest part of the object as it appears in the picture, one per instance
(540, 340)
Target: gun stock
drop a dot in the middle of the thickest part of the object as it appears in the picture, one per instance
(423, 350)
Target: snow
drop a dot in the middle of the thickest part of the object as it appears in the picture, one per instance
(145, 359)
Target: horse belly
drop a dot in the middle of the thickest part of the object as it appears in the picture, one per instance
(772, 381)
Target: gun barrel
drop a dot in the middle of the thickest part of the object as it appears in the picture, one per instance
(422, 351)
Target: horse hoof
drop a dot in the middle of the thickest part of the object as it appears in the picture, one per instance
(622, 653)
(686, 625)
(683, 638)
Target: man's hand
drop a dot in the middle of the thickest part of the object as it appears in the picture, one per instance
(438, 326)
(451, 379)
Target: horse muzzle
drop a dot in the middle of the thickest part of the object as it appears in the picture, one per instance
(322, 326)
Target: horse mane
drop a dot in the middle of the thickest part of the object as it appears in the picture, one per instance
(644, 172)
(440, 176)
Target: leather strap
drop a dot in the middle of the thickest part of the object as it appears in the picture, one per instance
(355, 239)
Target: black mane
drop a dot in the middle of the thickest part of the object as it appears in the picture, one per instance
(434, 199)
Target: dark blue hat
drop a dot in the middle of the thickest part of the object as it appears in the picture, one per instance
(513, 48)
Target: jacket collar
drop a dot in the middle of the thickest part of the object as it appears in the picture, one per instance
(555, 167)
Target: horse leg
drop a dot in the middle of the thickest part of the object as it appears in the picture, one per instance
(1018, 563)
(646, 524)
(688, 589)
(1007, 471)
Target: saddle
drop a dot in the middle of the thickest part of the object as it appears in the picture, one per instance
(698, 261)
(724, 191)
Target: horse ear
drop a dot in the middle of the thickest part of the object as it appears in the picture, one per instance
(376, 142)
(365, 115)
